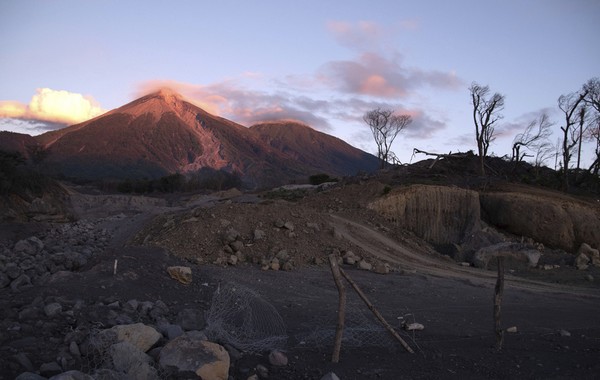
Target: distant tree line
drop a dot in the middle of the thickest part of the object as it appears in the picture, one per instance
(204, 179)
(16, 177)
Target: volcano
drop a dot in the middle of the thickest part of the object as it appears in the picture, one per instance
(162, 133)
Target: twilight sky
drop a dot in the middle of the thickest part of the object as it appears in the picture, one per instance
(321, 62)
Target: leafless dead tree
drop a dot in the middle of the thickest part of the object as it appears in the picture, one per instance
(573, 107)
(486, 113)
(593, 101)
(536, 134)
(385, 126)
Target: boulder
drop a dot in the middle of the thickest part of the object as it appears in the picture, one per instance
(259, 234)
(278, 358)
(582, 261)
(517, 251)
(21, 282)
(27, 247)
(184, 355)
(141, 336)
(191, 319)
(381, 268)
(72, 375)
(30, 376)
(181, 274)
(350, 258)
(236, 246)
(364, 265)
(4, 280)
(126, 356)
(53, 309)
(592, 253)
(330, 376)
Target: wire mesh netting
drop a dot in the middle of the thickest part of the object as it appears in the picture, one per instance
(361, 328)
(242, 318)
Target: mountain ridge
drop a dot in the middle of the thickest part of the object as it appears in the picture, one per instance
(163, 133)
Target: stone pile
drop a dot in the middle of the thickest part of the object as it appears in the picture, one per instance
(126, 340)
(67, 247)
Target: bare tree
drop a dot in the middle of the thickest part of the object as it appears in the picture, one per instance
(536, 134)
(593, 101)
(385, 126)
(572, 106)
(486, 112)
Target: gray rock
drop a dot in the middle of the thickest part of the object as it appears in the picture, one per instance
(142, 371)
(4, 280)
(50, 369)
(131, 305)
(139, 335)
(588, 251)
(145, 307)
(108, 374)
(24, 361)
(173, 331)
(259, 234)
(283, 255)
(278, 358)
(72, 375)
(279, 223)
(53, 309)
(231, 235)
(21, 282)
(196, 335)
(25, 246)
(232, 259)
(125, 355)
(12, 270)
(30, 312)
(381, 268)
(350, 258)
(236, 245)
(364, 265)
(289, 226)
(262, 371)
(330, 376)
(74, 349)
(29, 376)
(206, 359)
(581, 261)
(190, 319)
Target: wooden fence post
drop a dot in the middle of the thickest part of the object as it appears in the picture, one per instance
(339, 332)
(498, 304)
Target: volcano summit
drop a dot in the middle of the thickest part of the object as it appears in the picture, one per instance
(162, 133)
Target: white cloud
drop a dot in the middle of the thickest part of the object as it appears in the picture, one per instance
(57, 106)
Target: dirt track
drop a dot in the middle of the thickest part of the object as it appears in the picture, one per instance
(381, 246)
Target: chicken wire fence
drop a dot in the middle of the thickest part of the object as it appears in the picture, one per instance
(361, 328)
(242, 318)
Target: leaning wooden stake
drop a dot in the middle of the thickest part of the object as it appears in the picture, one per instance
(339, 332)
(376, 312)
(498, 303)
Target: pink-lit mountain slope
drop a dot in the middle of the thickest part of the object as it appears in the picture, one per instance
(162, 133)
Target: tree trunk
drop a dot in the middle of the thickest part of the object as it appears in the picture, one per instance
(498, 304)
(339, 331)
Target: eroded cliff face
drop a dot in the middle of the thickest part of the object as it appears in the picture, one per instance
(437, 214)
(450, 215)
(558, 223)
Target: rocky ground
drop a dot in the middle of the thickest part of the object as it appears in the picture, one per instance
(242, 281)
